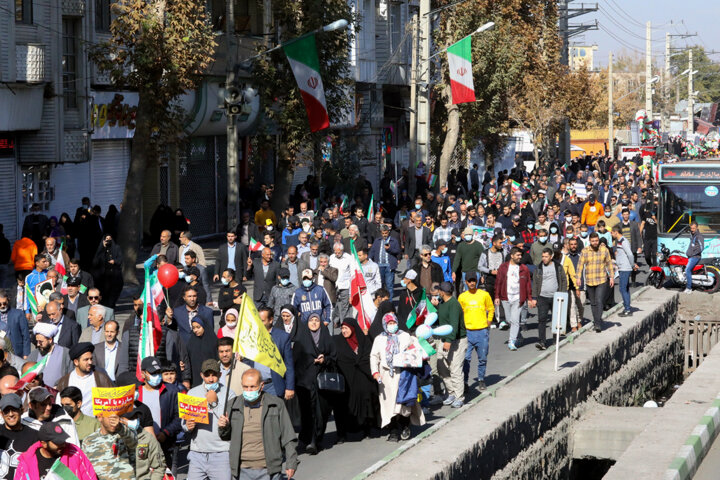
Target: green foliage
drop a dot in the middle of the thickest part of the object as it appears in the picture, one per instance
(160, 49)
(707, 79)
(282, 104)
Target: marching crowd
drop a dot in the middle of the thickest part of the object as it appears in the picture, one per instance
(476, 256)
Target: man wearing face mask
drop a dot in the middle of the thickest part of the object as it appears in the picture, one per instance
(260, 432)
(192, 278)
(282, 293)
(537, 247)
(71, 401)
(209, 455)
(311, 298)
(467, 256)
(191, 261)
(162, 401)
(440, 256)
(410, 295)
(231, 291)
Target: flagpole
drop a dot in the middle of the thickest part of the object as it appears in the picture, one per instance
(229, 377)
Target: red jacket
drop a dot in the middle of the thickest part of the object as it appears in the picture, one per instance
(72, 457)
(525, 283)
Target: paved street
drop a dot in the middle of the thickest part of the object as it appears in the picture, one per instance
(355, 456)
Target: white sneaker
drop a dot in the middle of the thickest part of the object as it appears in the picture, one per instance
(688, 291)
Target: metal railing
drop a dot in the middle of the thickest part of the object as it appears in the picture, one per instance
(699, 337)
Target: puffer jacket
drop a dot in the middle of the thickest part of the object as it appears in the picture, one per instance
(72, 457)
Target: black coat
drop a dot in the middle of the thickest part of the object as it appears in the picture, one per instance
(376, 328)
(361, 393)
(262, 283)
(240, 260)
(304, 353)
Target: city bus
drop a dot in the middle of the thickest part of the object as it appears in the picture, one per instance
(689, 191)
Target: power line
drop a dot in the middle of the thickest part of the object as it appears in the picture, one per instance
(626, 44)
(620, 11)
(627, 30)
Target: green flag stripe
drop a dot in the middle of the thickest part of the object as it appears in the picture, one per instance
(462, 48)
(303, 50)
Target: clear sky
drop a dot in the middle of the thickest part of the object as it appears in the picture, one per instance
(622, 26)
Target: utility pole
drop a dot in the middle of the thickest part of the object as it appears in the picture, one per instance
(233, 194)
(566, 31)
(422, 78)
(648, 71)
(611, 113)
(413, 157)
(666, 87)
(691, 113)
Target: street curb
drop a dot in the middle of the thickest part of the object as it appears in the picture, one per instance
(696, 446)
(492, 391)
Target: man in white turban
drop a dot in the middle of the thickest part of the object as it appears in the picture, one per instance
(58, 362)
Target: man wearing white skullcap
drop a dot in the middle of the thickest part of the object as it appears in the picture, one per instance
(58, 363)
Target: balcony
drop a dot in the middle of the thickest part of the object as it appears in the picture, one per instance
(30, 63)
(73, 8)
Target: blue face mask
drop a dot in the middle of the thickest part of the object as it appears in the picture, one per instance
(284, 282)
(133, 424)
(251, 396)
(531, 226)
(458, 239)
(444, 250)
(212, 387)
(189, 279)
(402, 283)
(155, 380)
(392, 329)
(512, 238)
(224, 281)
(181, 275)
(307, 283)
(553, 230)
(542, 239)
(468, 238)
(583, 234)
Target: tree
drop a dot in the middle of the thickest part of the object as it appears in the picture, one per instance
(501, 58)
(160, 49)
(282, 104)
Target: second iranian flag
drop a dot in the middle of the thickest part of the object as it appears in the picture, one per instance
(461, 79)
(303, 58)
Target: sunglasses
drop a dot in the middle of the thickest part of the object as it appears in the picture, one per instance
(4, 304)
(94, 298)
(425, 255)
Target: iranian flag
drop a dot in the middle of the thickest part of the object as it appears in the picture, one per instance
(370, 210)
(59, 471)
(30, 300)
(515, 186)
(360, 298)
(150, 329)
(343, 205)
(31, 374)
(460, 64)
(303, 58)
(255, 246)
(420, 313)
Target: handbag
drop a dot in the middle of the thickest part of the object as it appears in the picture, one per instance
(331, 382)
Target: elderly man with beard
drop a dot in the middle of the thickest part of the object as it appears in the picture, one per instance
(58, 363)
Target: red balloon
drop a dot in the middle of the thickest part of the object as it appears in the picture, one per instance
(167, 275)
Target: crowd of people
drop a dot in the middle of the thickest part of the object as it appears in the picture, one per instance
(480, 253)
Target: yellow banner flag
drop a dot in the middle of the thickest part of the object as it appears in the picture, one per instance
(252, 339)
(108, 402)
(193, 408)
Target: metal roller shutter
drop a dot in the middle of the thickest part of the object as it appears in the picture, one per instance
(108, 172)
(9, 198)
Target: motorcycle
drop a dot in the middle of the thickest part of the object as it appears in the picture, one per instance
(705, 276)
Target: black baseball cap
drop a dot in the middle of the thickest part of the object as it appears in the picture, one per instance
(52, 432)
(151, 365)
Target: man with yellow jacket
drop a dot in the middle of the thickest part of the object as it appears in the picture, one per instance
(478, 311)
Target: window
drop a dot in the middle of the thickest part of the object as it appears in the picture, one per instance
(23, 11)
(36, 187)
(102, 15)
(70, 63)
(700, 201)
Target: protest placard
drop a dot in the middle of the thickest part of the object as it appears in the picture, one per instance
(108, 402)
(193, 408)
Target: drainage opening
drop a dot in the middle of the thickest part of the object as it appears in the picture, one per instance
(589, 468)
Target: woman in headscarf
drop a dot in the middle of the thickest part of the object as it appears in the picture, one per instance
(55, 230)
(231, 321)
(376, 328)
(287, 321)
(201, 346)
(361, 396)
(313, 352)
(385, 365)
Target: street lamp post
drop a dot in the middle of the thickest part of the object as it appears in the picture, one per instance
(232, 92)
